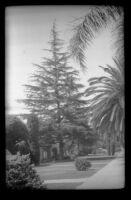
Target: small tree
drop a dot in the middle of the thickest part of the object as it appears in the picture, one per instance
(33, 126)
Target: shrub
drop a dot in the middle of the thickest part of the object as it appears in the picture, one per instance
(67, 158)
(82, 164)
(20, 174)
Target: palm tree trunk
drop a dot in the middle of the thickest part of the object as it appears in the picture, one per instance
(113, 144)
(108, 144)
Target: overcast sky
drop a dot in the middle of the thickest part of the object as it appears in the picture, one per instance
(28, 32)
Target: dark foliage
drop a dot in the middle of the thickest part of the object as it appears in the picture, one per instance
(33, 127)
(16, 135)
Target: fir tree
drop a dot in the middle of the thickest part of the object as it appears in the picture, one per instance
(56, 89)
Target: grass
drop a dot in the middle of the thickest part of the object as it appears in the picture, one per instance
(61, 186)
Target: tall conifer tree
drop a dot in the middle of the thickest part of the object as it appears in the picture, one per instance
(55, 92)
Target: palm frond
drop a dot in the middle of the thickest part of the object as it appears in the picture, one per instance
(99, 17)
(106, 100)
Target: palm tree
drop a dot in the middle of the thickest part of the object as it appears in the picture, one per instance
(106, 102)
(97, 18)
(106, 94)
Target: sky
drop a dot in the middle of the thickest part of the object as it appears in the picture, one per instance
(27, 33)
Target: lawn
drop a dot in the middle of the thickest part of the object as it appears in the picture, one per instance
(61, 186)
(54, 174)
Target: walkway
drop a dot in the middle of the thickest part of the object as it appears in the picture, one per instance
(109, 177)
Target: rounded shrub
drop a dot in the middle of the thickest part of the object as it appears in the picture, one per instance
(20, 173)
(82, 164)
(16, 135)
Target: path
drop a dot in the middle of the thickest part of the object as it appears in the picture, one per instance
(110, 177)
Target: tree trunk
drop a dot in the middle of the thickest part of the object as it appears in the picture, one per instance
(113, 144)
(48, 153)
(61, 150)
(109, 150)
(78, 145)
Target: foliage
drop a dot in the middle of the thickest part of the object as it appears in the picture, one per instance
(82, 164)
(20, 174)
(33, 126)
(97, 18)
(16, 135)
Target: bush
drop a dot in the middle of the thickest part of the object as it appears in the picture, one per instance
(20, 174)
(82, 164)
